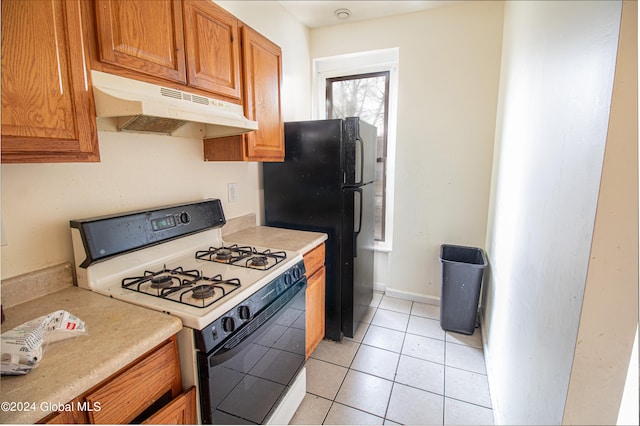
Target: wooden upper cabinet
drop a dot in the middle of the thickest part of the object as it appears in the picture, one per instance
(142, 35)
(262, 62)
(193, 43)
(48, 113)
(261, 85)
(212, 48)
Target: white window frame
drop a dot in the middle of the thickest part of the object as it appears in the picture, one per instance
(363, 63)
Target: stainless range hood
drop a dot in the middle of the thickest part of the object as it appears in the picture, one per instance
(136, 106)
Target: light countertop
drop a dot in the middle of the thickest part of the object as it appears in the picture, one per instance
(118, 334)
(278, 238)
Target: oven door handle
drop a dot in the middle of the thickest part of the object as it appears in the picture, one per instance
(246, 334)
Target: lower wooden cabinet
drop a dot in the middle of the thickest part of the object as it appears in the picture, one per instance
(316, 280)
(68, 417)
(147, 390)
(180, 411)
(315, 310)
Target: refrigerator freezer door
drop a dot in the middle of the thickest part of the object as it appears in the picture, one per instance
(359, 152)
(313, 151)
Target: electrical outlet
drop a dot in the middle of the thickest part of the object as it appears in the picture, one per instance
(232, 192)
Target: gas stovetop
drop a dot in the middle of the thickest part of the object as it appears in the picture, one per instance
(196, 276)
(243, 256)
(189, 287)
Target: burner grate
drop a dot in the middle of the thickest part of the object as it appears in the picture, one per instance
(186, 287)
(230, 255)
(243, 256)
(264, 260)
(208, 293)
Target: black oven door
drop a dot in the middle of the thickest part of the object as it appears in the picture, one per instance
(242, 382)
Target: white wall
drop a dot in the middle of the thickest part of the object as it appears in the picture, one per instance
(557, 74)
(609, 316)
(38, 200)
(448, 86)
(277, 24)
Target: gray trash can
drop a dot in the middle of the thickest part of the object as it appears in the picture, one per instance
(462, 272)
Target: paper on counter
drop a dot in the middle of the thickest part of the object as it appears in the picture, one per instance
(23, 347)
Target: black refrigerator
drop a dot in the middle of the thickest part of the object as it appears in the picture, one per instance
(326, 184)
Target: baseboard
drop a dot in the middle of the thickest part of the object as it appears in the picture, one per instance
(498, 418)
(415, 297)
(379, 287)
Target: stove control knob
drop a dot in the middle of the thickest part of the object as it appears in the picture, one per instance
(296, 273)
(244, 312)
(228, 324)
(288, 279)
(185, 218)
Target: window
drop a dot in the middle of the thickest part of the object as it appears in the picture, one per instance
(365, 96)
(365, 84)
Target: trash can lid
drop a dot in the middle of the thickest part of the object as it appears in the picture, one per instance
(472, 256)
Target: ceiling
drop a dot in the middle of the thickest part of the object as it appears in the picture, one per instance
(316, 14)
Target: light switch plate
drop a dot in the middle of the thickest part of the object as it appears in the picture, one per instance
(232, 192)
(4, 241)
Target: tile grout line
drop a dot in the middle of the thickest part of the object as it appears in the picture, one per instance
(333, 400)
(444, 379)
(395, 374)
(360, 343)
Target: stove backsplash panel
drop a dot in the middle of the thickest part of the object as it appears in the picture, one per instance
(107, 236)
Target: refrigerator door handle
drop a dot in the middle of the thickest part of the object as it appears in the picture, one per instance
(359, 227)
(359, 181)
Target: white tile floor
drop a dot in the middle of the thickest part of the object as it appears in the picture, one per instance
(400, 368)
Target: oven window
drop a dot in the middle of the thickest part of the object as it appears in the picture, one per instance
(245, 384)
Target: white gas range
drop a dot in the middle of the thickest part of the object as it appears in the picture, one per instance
(243, 306)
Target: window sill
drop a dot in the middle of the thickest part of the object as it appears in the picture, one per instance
(383, 247)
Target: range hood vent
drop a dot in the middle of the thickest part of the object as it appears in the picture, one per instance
(141, 107)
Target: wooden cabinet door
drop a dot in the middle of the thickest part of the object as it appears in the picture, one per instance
(129, 393)
(138, 389)
(142, 35)
(315, 310)
(48, 113)
(262, 69)
(180, 411)
(212, 48)
(68, 417)
(314, 259)
(316, 281)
